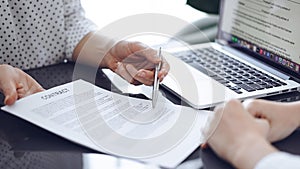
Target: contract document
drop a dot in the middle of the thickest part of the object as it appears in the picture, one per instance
(115, 124)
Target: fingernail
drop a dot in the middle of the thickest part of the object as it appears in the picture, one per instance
(161, 78)
(6, 100)
(204, 146)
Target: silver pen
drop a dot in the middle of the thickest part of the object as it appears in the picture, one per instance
(155, 89)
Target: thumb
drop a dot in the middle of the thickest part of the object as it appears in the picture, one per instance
(10, 93)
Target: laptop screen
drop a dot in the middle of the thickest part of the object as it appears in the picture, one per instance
(266, 29)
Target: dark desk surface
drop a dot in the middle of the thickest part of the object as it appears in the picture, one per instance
(24, 137)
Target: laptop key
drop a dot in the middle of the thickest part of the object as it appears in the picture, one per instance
(249, 82)
(237, 82)
(218, 78)
(238, 91)
(275, 84)
(223, 81)
(202, 69)
(256, 87)
(235, 88)
(256, 80)
(225, 69)
(246, 87)
(262, 83)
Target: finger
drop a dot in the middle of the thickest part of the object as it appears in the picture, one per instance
(143, 76)
(121, 70)
(20, 85)
(132, 70)
(164, 70)
(21, 95)
(146, 77)
(260, 108)
(33, 85)
(35, 88)
(253, 107)
(10, 93)
(21, 92)
(136, 83)
(204, 146)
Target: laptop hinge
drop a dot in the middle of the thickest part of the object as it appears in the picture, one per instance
(221, 42)
(257, 63)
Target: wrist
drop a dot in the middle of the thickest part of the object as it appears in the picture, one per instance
(249, 152)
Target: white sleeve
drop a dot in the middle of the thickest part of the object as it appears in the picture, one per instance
(279, 160)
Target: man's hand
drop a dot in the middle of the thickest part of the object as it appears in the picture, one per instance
(16, 84)
(237, 136)
(284, 118)
(135, 62)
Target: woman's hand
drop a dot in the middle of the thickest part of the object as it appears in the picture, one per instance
(135, 62)
(16, 84)
(284, 118)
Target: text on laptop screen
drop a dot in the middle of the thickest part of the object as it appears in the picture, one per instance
(269, 28)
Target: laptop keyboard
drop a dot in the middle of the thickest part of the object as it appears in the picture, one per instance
(228, 71)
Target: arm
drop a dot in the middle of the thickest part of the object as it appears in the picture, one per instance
(133, 61)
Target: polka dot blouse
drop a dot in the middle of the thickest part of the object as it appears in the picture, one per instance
(35, 33)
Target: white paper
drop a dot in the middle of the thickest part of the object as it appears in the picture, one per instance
(126, 87)
(115, 124)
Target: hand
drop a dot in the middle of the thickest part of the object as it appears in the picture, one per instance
(16, 84)
(237, 136)
(135, 62)
(284, 118)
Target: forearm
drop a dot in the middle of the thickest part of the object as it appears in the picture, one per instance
(80, 46)
(92, 48)
(294, 108)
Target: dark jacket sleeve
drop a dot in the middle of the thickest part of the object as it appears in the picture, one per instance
(209, 6)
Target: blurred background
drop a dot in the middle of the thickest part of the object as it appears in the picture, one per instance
(103, 13)
(106, 12)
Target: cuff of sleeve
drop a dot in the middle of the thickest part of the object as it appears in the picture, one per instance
(279, 160)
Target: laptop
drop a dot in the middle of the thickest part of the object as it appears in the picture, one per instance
(256, 54)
